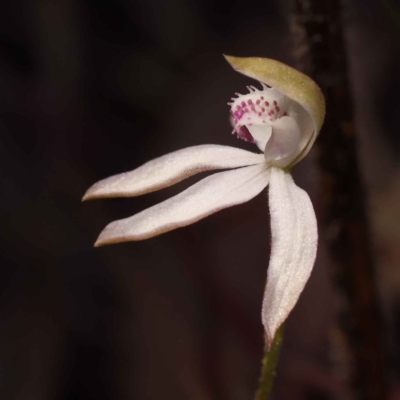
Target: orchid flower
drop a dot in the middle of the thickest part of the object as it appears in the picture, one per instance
(282, 119)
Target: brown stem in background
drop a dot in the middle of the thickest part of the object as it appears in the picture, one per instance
(317, 26)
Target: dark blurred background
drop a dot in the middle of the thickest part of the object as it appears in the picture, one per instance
(93, 88)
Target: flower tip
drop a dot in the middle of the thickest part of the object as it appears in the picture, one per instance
(86, 197)
(102, 240)
(93, 193)
(227, 58)
(118, 232)
(107, 236)
(98, 191)
(233, 61)
(242, 64)
(98, 244)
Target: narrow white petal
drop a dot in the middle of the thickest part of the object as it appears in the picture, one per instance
(261, 134)
(283, 145)
(214, 193)
(293, 248)
(172, 168)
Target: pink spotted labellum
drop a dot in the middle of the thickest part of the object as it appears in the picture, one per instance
(283, 119)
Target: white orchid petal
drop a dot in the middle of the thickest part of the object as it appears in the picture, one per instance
(282, 147)
(214, 193)
(170, 169)
(261, 134)
(293, 248)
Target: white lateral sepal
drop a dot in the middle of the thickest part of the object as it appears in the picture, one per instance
(214, 193)
(172, 168)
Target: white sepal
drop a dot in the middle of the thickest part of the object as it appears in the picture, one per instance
(214, 193)
(294, 239)
(170, 169)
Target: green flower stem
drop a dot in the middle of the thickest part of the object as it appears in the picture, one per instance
(269, 364)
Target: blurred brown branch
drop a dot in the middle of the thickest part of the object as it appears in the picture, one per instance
(318, 29)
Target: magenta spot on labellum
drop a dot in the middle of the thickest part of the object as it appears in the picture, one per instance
(259, 114)
(285, 114)
(243, 133)
(266, 103)
(275, 103)
(262, 97)
(263, 109)
(258, 102)
(277, 108)
(253, 109)
(243, 104)
(272, 111)
(249, 102)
